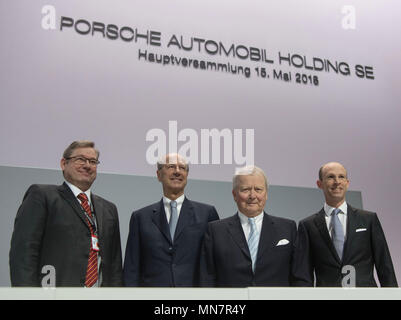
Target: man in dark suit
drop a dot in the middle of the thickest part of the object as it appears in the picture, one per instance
(66, 235)
(251, 248)
(164, 240)
(341, 244)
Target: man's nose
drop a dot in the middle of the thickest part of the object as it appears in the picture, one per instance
(177, 169)
(252, 194)
(87, 163)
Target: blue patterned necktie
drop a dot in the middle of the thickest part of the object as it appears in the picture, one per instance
(173, 218)
(253, 241)
(337, 232)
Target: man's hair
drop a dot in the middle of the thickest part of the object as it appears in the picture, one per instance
(321, 171)
(163, 160)
(249, 171)
(79, 144)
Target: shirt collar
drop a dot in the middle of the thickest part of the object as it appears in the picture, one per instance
(244, 219)
(76, 191)
(179, 200)
(328, 209)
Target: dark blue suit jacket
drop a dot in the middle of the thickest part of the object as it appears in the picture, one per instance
(152, 259)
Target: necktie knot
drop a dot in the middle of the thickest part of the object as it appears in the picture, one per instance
(252, 223)
(173, 204)
(82, 196)
(335, 211)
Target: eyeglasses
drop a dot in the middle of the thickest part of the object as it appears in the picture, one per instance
(79, 160)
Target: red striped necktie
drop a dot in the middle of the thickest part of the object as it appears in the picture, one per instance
(91, 271)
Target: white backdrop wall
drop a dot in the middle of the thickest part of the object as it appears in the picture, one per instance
(67, 73)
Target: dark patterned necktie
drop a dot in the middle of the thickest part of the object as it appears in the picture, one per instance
(91, 271)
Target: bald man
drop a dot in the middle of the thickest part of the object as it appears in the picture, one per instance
(340, 245)
(164, 241)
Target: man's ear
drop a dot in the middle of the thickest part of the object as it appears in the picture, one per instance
(319, 184)
(234, 195)
(62, 163)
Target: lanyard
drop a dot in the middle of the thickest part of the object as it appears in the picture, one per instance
(91, 220)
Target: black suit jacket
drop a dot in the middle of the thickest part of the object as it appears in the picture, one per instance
(226, 261)
(152, 259)
(365, 247)
(50, 229)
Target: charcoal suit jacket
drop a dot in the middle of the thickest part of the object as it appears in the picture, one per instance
(226, 260)
(365, 247)
(50, 230)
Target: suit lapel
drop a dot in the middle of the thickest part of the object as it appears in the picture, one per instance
(67, 194)
(237, 233)
(160, 220)
(321, 225)
(267, 236)
(186, 218)
(98, 209)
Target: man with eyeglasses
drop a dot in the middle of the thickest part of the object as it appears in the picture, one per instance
(164, 241)
(341, 245)
(66, 235)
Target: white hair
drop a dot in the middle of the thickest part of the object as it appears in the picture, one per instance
(248, 171)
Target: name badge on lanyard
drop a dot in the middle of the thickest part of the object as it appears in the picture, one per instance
(95, 243)
(94, 238)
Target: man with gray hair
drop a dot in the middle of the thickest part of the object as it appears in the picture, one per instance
(251, 248)
(66, 235)
(164, 241)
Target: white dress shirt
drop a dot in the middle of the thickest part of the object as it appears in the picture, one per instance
(76, 191)
(246, 226)
(342, 216)
(167, 209)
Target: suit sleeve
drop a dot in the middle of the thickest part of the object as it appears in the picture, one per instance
(302, 270)
(213, 215)
(207, 268)
(381, 255)
(116, 268)
(132, 259)
(26, 240)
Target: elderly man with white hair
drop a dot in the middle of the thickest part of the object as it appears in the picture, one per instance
(250, 248)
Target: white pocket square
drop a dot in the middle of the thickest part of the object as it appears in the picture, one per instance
(282, 242)
(360, 229)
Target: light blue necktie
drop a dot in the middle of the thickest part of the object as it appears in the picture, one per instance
(253, 241)
(173, 218)
(337, 232)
